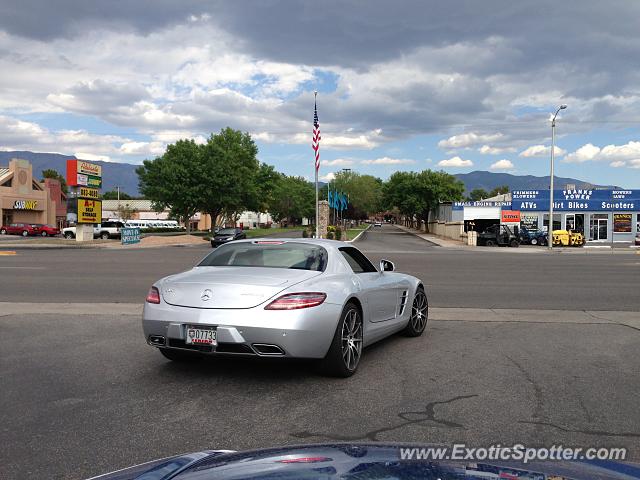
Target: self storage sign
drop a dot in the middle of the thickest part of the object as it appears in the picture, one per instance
(89, 211)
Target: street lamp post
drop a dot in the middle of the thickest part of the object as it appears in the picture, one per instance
(553, 147)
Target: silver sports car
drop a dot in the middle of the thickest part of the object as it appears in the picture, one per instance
(302, 298)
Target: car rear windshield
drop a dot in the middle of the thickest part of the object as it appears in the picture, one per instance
(227, 231)
(300, 256)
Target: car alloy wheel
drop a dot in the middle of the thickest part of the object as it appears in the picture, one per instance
(25, 233)
(3, 232)
(352, 339)
(419, 311)
(534, 241)
(44, 234)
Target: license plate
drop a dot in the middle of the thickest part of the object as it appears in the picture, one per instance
(200, 335)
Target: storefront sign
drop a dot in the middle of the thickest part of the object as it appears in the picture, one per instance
(530, 222)
(130, 235)
(89, 211)
(510, 216)
(88, 192)
(576, 200)
(25, 205)
(622, 223)
(81, 173)
(480, 203)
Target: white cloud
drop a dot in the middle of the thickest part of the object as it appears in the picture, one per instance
(583, 154)
(338, 162)
(388, 161)
(541, 151)
(501, 165)
(617, 155)
(467, 140)
(91, 156)
(329, 177)
(455, 162)
(488, 150)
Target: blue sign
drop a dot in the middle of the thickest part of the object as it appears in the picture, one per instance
(129, 236)
(581, 199)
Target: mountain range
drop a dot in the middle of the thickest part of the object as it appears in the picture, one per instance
(124, 174)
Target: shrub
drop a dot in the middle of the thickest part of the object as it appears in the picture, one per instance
(330, 235)
(338, 234)
(331, 228)
(305, 234)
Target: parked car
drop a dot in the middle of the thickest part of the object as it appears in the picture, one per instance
(225, 235)
(377, 224)
(24, 229)
(532, 237)
(46, 230)
(109, 229)
(302, 298)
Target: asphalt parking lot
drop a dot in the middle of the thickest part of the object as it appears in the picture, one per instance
(83, 394)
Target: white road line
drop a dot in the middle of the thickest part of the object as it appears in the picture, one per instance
(23, 268)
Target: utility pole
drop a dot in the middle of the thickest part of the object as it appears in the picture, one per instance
(553, 147)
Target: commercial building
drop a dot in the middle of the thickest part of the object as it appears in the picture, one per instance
(23, 199)
(601, 215)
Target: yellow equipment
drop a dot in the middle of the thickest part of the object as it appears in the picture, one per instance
(567, 238)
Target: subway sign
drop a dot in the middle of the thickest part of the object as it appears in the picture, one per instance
(587, 200)
(25, 205)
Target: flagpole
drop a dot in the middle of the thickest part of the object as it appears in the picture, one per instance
(315, 94)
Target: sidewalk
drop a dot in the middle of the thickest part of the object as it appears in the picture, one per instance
(524, 249)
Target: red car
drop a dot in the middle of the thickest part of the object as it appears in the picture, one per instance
(23, 229)
(46, 230)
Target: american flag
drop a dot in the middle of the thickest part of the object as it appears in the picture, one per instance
(315, 144)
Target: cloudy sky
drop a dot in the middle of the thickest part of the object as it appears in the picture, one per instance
(403, 85)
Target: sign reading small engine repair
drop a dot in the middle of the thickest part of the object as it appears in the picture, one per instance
(89, 211)
(25, 205)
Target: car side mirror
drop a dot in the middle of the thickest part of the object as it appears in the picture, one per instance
(386, 266)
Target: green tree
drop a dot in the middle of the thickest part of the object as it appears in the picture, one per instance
(230, 171)
(478, 194)
(417, 194)
(292, 199)
(501, 190)
(113, 195)
(364, 191)
(51, 173)
(174, 180)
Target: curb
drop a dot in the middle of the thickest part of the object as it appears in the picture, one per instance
(358, 236)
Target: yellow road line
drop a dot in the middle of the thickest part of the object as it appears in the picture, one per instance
(7, 252)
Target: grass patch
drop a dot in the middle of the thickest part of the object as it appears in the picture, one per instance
(260, 232)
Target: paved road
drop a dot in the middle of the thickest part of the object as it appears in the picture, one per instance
(82, 394)
(454, 278)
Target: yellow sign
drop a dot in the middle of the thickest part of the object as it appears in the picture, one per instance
(89, 211)
(89, 168)
(89, 192)
(25, 204)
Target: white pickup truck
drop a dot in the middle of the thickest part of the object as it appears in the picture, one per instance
(103, 230)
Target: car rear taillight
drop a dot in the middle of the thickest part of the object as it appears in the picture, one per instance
(153, 296)
(293, 301)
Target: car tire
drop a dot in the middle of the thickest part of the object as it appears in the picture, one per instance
(489, 243)
(43, 234)
(419, 314)
(179, 355)
(343, 358)
(534, 241)
(69, 236)
(104, 235)
(25, 233)
(3, 232)
(514, 243)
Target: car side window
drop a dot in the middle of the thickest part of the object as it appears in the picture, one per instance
(356, 260)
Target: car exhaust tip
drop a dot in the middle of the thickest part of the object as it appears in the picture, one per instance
(156, 340)
(267, 349)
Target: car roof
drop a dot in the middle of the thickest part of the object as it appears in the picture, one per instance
(313, 241)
